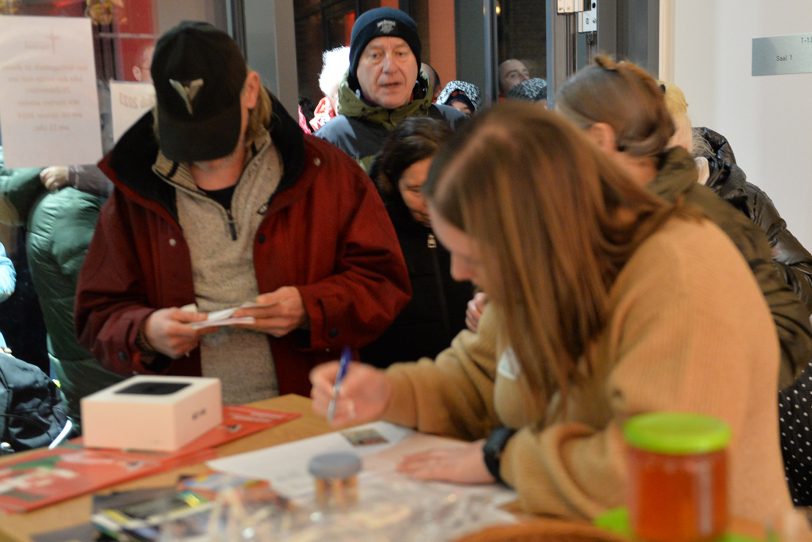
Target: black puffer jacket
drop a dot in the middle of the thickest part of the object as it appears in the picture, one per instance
(729, 181)
(436, 312)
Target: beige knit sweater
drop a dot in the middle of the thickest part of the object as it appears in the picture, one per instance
(688, 330)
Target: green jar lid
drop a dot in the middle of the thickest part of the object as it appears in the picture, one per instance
(616, 520)
(678, 433)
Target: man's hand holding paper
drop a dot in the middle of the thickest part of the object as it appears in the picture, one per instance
(170, 331)
(276, 313)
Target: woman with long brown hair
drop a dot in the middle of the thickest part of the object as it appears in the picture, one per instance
(607, 302)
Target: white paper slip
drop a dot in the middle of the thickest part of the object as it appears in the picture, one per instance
(223, 317)
(222, 322)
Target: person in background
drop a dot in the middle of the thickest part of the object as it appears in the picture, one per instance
(141, 69)
(718, 171)
(8, 280)
(436, 311)
(530, 90)
(433, 78)
(333, 68)
(511, 73)
(220, 202)
(59, 227)
(305, 110)
(608, 302)
(462, 96)
(32, 409)
(383, 86)
(623, 110)
(21, 317)
(57, 207)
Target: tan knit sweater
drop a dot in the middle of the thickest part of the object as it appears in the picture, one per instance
(688, 330)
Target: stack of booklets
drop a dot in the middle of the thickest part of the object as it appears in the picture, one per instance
(43, 477)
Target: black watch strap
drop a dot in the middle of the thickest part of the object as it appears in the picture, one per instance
(492, 450)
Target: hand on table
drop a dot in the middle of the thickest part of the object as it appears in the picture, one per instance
(168, 331)
(55, 177)
(364, 394)
(458, 465)
(279, 313)
(474, 310)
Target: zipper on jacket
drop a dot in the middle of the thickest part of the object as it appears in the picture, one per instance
(232, 225)
(431, 242)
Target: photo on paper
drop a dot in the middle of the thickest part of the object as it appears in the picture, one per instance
(364, 437)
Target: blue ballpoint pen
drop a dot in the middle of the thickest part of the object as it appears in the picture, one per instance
(343, 365)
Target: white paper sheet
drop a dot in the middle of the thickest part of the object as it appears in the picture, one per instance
(128, 102)
(49, 106)
(285, 466)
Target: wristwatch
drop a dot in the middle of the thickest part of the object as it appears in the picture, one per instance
(492, 450)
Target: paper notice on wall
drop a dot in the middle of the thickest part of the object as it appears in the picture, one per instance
(49, 106)
(128, 102)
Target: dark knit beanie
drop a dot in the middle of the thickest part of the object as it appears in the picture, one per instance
(379, 22)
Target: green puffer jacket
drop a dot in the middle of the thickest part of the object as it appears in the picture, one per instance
(19, 189)
(59, 228)
(677, 178)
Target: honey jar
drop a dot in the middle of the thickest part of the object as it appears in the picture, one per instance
(677, 464)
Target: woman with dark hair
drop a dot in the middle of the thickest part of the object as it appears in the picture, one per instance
(436, 312)
(607, 302)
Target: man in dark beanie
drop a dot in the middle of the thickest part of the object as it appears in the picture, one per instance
(221, 202)
(383, 86)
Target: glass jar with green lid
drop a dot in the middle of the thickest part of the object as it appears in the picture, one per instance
(677, 465)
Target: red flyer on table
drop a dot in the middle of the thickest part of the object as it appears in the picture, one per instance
(43, 477)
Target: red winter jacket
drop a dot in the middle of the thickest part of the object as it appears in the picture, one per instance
(325, 231)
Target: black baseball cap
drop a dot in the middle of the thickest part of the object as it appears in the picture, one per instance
(198, 72)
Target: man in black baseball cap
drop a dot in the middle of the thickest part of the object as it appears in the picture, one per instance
(199, 74)
(383, 86)
(223, 204)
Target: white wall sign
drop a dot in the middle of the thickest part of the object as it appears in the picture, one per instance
(48, 101)
(781, 55)
(128, 102)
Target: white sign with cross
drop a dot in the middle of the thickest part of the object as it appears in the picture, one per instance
(49, 106)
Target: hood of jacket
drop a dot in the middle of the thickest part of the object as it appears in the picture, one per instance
(725, 178)
(129, 164)
(351, 104)
(676, 174)
(719, 145)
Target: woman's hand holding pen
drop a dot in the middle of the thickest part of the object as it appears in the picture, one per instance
(364, 394)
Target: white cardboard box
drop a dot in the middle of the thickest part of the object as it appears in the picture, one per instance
(160, 413)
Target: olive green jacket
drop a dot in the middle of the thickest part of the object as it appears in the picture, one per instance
(360, 128)
(677, 178)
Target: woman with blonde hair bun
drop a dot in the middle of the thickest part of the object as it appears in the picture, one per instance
(607, 302)
(718, 170)
(622, 109)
